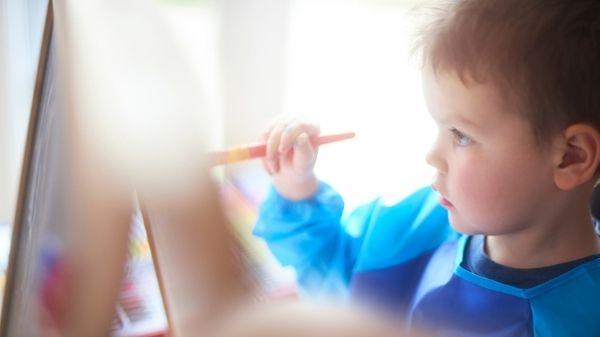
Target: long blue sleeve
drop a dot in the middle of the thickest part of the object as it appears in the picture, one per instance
(309, 236)
(326, 249)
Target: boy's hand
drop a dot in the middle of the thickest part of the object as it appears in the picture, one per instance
(291, 157)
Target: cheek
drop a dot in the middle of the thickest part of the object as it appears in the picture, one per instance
(495, 195)
(483, 191)
(473, 185)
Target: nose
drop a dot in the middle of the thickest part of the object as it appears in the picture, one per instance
(435, 158)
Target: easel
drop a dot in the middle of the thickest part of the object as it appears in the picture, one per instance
(89, 215)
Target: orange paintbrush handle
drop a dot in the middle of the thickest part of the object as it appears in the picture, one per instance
(240, 153)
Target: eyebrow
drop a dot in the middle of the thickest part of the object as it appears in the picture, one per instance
(454, 119)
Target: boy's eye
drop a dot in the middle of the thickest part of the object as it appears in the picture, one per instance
(460, 138)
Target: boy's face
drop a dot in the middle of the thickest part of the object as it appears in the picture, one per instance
(492, 176)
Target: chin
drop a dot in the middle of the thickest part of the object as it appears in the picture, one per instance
(462, 227)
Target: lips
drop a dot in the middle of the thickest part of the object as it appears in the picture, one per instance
(444, 202)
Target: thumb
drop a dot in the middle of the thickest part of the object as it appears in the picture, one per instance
(305, 154)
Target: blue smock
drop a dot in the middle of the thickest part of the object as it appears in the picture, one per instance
(406, 259)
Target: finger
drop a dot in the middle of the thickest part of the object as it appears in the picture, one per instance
(272, 147)
(292, 131)
(266, 166)
(264, 136)
(305, 154)
(279, 120)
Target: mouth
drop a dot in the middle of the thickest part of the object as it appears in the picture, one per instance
(445, 203)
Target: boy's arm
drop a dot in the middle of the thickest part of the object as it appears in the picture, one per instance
(309, 236)
(326, 249)
(301, 220)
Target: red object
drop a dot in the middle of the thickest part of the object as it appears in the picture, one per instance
(55, 293)
(240, 153)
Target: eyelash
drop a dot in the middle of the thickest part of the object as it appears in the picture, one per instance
(460, 139)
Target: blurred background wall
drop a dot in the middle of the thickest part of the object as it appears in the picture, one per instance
(343, 63)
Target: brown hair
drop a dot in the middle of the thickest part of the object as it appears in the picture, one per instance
(544, 55)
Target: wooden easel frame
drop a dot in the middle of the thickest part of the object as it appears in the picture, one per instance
(26, 168)
(157, 266)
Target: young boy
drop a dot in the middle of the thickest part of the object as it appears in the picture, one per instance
(503, 243)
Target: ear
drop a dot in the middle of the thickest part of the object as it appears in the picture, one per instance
(578, 156)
